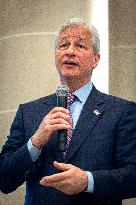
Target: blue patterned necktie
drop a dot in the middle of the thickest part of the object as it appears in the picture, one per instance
(70, 100)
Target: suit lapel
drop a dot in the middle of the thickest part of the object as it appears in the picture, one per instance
(91, 113)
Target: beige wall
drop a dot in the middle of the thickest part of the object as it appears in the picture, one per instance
(27, 68)
(122, 39)
(27, 71)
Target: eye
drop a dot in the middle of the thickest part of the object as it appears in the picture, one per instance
(81, 46)
(63, 45)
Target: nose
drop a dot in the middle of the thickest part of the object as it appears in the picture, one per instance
(70, 50)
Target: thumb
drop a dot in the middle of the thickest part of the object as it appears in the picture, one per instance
(61, 166)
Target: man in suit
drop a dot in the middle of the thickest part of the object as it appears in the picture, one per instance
(99, 166)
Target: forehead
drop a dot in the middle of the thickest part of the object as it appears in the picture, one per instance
(75, 32)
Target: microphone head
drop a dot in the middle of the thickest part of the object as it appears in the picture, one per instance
(62, 91)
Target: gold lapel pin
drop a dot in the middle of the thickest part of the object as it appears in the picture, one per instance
(96, 112)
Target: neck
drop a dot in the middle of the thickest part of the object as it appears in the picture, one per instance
(74, 84)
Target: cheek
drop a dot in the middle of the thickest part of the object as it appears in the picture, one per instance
(90, 61)
(87, 61)
(58, 58)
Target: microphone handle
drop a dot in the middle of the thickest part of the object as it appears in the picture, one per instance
(62, 140)
(62, 134)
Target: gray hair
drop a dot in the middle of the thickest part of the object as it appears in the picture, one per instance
(94, 35)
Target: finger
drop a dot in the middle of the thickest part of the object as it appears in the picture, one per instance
(59, 176)
(54, 178)
(61, 185)
(57, 127)
(59, 121)
(60, 115)
(59, 109)
(62, 166)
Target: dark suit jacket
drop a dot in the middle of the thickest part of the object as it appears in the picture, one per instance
(103, 143)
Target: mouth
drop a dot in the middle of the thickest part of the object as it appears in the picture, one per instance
(70, 63)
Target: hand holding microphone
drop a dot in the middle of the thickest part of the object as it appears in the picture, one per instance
(56, 120)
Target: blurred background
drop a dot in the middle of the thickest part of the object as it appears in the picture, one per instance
(27, 69)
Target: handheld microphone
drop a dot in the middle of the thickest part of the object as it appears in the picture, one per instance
(62, 93)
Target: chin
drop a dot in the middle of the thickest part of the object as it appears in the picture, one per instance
(69, 75)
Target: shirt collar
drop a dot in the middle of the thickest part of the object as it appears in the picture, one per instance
(83, 92)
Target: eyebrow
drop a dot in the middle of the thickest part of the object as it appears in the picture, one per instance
(78, 39)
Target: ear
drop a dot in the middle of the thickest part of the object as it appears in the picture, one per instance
(96, 59)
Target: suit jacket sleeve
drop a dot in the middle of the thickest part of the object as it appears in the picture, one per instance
(15, 160)
(120, 182)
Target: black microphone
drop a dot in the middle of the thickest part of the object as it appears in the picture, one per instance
(62, 93)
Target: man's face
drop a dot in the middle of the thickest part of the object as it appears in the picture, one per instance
(74, 55)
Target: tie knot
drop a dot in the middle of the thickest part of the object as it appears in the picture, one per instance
(70, 98)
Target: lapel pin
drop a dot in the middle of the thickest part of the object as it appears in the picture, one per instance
(96, 112)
